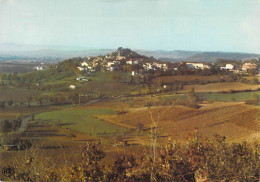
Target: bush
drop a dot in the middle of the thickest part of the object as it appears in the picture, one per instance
(254, 101)
(2, 104)
(205, 160)
(192, 97)
(254, 81)
(166, 102)
(184, 102)
(16, 140)
(210, 101)
(121, 111)
(5, 126)
(149, 103)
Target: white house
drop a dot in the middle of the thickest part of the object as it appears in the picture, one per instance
(119, 58)
(136, 61)
(197, 65)
(41, 67)
(109, 64)
(148, 66)
(134, 73)
(227, 67)
(129, 62)
(248, 66)
(84, 64)
(112, 68)
(81, 68)
(81, 78)
(72, 86)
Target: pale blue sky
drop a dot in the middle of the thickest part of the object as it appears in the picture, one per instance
(201, 25)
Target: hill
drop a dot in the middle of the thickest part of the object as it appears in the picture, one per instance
(193, 56)
(57, 53)
(28, 53)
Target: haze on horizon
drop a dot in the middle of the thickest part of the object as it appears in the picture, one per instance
(195, 25)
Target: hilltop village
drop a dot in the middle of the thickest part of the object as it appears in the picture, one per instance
(130, 61)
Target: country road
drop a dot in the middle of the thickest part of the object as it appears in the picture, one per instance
(24, 123)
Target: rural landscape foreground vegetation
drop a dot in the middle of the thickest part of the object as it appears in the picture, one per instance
(128, 117)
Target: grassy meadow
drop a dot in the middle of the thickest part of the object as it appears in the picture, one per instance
(228, 97)
(220, 87)
(82, 120)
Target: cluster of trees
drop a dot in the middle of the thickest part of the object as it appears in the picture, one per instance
(10, 102)
(253, 81)
(10, 125)
(222, 62)
(191, 101)
(55, 99)
(198, 160)
(27, 79)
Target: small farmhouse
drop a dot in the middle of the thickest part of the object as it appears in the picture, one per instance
(197, 66)
(72, 86)
(227, 67)
(248, 66)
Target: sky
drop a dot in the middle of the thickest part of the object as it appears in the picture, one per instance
(195, 25)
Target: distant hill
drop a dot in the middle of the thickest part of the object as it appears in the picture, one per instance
(196, 56)
(213, 56)
(175, 55)
(15, 52)
(46, 54)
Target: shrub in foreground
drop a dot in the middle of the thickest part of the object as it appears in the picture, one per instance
(198, 160)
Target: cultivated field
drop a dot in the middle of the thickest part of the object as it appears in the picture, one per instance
(236, 121)
(220, 87)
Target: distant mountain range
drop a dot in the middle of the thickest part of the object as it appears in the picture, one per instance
(196, 56)
(17, 52)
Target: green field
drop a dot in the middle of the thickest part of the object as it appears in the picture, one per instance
(228, 97)
(82, 120)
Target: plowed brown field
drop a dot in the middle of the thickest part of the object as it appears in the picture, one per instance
(236, 121)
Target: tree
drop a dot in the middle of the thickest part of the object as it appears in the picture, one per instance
(10, 102)
(5, 126)
(254, 81)
(192, 97)
(39, 99)
(29, 99)
(32, 116)
(2, 104)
